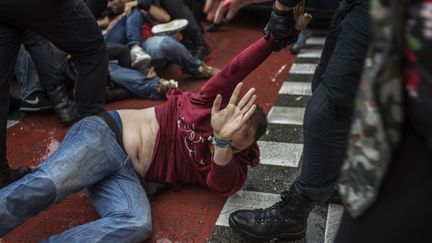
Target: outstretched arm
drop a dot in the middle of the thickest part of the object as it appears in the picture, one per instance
(235, 71)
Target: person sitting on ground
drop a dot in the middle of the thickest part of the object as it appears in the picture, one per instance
(126, 29)
(125, 81)
(193, 37)
(206, 138)
(162, 49)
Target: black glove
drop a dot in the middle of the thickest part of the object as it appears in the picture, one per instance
(281, 25)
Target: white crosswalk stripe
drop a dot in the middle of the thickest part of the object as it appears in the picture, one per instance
(334, 216)
(11, 123)
(303, 68)
(310, 53)
(286, 115)
(296, 88)
(315, 41)
(280, 154)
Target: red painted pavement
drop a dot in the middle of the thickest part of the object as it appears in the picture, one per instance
(187, 215)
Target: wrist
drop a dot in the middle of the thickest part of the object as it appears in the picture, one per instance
(279, 6)
(220, 143)
(289, 3)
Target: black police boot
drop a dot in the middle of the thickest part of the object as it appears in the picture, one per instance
(9, 175)
(200, 49)
(63, 104)
(286, 219)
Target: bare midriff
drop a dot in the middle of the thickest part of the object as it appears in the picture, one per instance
(140, 128)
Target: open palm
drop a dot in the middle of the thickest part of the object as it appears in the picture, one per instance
(228, 121)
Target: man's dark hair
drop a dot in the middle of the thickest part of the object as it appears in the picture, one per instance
(258, 121)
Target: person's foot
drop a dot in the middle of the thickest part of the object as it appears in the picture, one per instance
(206, 71)
(301, 41)
(63, 105)
(9, 175)
(139, 57)
(36, 101)
(200, 51)
(284, 220)
(165, 85)
(170, 28)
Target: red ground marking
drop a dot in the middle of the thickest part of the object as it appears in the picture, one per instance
(187, 215)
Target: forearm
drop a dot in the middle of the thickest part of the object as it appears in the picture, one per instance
(222, 156)
(235, 71)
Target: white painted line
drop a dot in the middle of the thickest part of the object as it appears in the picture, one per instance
(280, 154)
(315, 41)
(286, 115)
(310, 53)
(245, 200)
(11, 123)
(296, 88)
(334, 216)
(303, 68)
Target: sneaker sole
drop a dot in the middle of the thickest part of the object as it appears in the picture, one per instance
(141, 62)
(36, 108)
(259, 238)
(172, 26)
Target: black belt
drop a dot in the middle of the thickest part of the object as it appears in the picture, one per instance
(112, 124)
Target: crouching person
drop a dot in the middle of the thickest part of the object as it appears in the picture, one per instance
(206, 138)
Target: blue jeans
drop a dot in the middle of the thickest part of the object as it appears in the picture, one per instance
(26, 73)
(134, 81)
(127, 30)
(327, 118)
(165, 50)
(89, 157)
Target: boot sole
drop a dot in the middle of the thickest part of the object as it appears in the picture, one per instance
(254, 237)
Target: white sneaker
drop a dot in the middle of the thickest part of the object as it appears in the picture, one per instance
(139, 57)
(170, 27)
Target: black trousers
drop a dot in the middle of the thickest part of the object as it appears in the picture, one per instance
(69, 25)
(403, 209)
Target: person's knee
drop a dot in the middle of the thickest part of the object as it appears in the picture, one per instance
(29, 198)
(135, 227)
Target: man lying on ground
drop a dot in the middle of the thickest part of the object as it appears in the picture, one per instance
(206, 138)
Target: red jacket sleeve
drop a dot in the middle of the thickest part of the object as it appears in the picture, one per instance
(234, 72)
(227, 180)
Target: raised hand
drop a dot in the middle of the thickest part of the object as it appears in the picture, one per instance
(228, 121)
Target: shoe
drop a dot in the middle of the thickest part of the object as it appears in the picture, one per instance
(36, 101)
(301, 41)
(10, 175)
(287, 219)
(63, 104)
(200, 51)
(335, 198)
(165, 85)
(170, 28)
(206, 71)
(139, 57)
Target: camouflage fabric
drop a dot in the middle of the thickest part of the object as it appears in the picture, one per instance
(374, 135)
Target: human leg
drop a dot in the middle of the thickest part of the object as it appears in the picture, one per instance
(120, 53)
(26, 74)
(88, 154)
(165, 49)
(178, 10)
(122, 204)
(10, 40)
(326, 126)
(71, 26)
(329, 112)
(134, 81)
